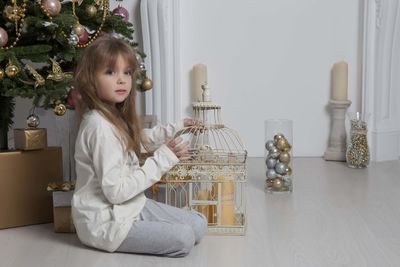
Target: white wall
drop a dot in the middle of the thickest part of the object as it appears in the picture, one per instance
(266, 59)
(272, 59)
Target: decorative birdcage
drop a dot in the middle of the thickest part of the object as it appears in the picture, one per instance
(213, 180)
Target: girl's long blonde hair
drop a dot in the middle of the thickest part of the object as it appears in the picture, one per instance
(104, 52)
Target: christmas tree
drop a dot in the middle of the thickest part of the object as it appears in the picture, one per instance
(40, 43)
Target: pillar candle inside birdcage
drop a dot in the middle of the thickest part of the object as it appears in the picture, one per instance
(213, 180)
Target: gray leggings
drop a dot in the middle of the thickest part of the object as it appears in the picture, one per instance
(164, 230)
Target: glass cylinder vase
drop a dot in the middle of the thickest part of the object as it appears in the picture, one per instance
(357, 153)
(278, 155)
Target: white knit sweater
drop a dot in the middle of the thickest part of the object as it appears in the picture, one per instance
(109, 192)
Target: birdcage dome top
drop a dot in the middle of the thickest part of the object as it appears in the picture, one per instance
(210, 140)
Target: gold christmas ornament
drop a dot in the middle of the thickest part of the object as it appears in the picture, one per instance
(147, 84)
(13, 13)
(79, 29)
(103, 5)
(281, 143)
(278, 137)
(269, 182)
(17, 14)
(57, 73)
(277, 183)
(39, 80)
(2, 74)
(287, 147)
(288, 171)
(60, 109)
(12, 70)
(91, 10)
(284, 157)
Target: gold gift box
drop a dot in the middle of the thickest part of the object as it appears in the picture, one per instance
(24, 176)
(63, 220)
(30, 138)
(62, 211)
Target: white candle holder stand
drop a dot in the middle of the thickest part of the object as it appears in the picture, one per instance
(336, 150)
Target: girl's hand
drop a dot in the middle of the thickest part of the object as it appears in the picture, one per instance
(188, 122)
(179, 148)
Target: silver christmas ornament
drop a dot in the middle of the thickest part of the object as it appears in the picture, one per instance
(269, 145)
(273, 155)
(271, 162)
(73, 39)
(139, 58)
(142, 67)
(33, 121)
(271, 173)
(280, 168)
(274, 150)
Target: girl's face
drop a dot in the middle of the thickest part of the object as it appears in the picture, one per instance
(114, 83)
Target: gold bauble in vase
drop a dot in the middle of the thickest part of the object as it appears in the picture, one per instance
(284, 157)
(147, 84)
(288, 171)
(60, 109)
(12, 70)
(287, 147)
(277, 184)
(281, 143)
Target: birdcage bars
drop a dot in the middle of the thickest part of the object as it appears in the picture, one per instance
(213, 179)
(215, 190)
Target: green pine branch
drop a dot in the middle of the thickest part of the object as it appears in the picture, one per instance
(44, 38)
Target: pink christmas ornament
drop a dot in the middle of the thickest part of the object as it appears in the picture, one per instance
(120, 11)
(52, 6)
(3, 37)
(84, 37)
(73, 97)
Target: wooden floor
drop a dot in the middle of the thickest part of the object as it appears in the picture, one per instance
(336, 216)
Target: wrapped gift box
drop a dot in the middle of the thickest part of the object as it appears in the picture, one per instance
(62, 212)
(24, 176)
(30, 138)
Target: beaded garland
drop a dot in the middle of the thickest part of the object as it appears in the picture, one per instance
(104, 4)
(18, 30)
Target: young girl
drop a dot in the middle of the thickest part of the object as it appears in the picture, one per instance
(109, 208)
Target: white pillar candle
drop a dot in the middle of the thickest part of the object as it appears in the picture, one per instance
(340, 81)
(199, 78)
